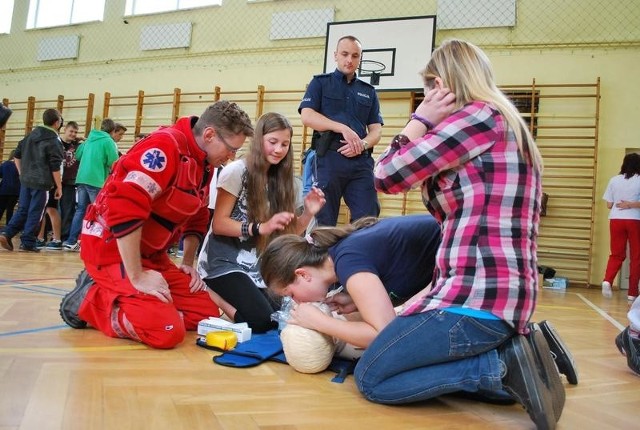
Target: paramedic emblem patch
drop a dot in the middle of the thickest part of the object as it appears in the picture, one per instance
(154, 160)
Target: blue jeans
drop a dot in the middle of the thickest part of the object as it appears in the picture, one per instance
(27, 218)
(426, 355)
(308, 172)
(86, 195)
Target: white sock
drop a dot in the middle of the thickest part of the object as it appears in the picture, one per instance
(606, 289)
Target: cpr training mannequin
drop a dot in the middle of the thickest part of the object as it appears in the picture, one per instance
(306, 350)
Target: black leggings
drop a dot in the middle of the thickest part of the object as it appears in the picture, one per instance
(253, 305)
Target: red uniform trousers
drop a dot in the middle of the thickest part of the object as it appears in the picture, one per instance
(116, 308)
(621, 232)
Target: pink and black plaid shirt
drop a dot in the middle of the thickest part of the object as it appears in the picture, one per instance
(478, 186)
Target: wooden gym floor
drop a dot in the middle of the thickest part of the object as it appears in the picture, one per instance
(54, 377)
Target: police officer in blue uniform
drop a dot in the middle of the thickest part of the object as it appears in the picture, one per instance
(344, 113)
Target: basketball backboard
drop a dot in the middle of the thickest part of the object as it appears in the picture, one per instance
(395, 49)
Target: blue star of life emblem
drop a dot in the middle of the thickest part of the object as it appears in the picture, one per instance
(154, 160)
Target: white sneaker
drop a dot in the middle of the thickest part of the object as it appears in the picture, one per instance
(74, 247)
(606, 289)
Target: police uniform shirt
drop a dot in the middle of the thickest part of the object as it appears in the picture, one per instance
(354, 104)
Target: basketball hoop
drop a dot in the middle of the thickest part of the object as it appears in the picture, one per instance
(373, 69)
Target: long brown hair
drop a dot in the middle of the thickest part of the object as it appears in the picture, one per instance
(274, 192)
(289, 252)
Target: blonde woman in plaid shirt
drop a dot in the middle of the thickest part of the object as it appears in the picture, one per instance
(480, 172)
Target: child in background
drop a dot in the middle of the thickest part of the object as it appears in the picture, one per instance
(9, 187)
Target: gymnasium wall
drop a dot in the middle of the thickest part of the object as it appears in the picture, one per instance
(243, 45)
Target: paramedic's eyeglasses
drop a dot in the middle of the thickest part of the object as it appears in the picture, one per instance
(226, 144)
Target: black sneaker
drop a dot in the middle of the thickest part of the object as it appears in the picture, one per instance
(5, 242)
(493, 398)
(629, 347)
(620, 342)
(24, 248)
(70, 304)
(561, 354)
(549, 374)
(522, 380)
(54, 245)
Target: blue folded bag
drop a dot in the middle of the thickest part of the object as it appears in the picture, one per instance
(258, 349)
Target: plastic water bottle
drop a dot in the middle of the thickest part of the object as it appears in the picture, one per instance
(282, 316)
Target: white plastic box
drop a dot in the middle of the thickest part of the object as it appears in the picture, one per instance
(242, 330)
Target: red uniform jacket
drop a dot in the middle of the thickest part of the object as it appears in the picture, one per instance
(161, 185)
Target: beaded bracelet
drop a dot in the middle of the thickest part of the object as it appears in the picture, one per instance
(423, 120)
(400, 139)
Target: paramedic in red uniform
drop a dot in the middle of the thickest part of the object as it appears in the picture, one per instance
(157, 191)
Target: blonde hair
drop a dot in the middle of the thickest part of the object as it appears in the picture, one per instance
(466, 70)
(274, 192)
